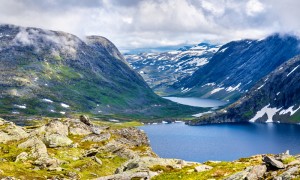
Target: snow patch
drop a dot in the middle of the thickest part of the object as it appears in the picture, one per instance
(223, 50)
(292, 70)
(64, 105)
(216, 90)
(289, 110)
(62, 112)
(265, 110)
(260, 87)
(277, 93)
(21, 106)
(209, 84)
(47, 100)
(230, 88)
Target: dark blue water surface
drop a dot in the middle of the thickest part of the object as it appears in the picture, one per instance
(222, 142)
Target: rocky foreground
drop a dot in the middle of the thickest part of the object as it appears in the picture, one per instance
(82, 149)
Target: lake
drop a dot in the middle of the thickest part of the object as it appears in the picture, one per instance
(197, 102)
(224, 142)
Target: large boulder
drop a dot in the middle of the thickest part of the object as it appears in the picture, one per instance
(38, 148)
(10, 132)
(273, 163)
(57, 140)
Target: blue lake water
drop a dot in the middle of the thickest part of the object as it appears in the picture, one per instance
(223, 141)
(197, 102)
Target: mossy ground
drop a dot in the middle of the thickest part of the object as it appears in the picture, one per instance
(220, 170)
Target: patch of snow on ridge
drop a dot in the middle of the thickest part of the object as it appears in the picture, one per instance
(20, 106)
(230, 89)
(198, 61)
(216, 90)
(223, 50)
(265, 110)
(47, 100)
(289, 110)
(260, 87)
(64, 105)
(292, 70)
(209, 84)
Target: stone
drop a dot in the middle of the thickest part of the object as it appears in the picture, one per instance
(56, 127)
(23, 156)
(38, 148)
(273, 163)
(256, 172)
(202, 168)
(85, 119)
(10, 132)
(46, 162)
(57, 140)
(91, 152)
(97, 160)
(79, 128)
(97, 138)
(287, 175)
(239, 175)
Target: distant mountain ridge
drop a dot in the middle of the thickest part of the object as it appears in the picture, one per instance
(162, 69)
(237, 66)
(56, 73)
(275, 98)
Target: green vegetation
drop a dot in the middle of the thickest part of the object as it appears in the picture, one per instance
(220, 170)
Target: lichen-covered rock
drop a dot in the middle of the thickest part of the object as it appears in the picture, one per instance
(287, 175)
(79, 128)
(57, 140)
(38, 148)
(97, 138)
(10, 132)
(22, 157)
(132, 137)
(256, 172)
(202, 168)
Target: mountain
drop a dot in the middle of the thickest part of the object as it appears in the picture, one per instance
(237, 66)
(162, 69)
(275, 98)
(56, 73)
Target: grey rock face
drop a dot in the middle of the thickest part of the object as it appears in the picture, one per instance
(273, 163)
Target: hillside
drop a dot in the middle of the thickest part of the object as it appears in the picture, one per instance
(238, 66)
(275, 98)
(55, 74)
(162, 69)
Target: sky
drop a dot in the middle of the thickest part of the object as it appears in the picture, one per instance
(131, 24)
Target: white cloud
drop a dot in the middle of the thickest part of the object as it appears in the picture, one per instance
(254, 7)
(150, 23)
